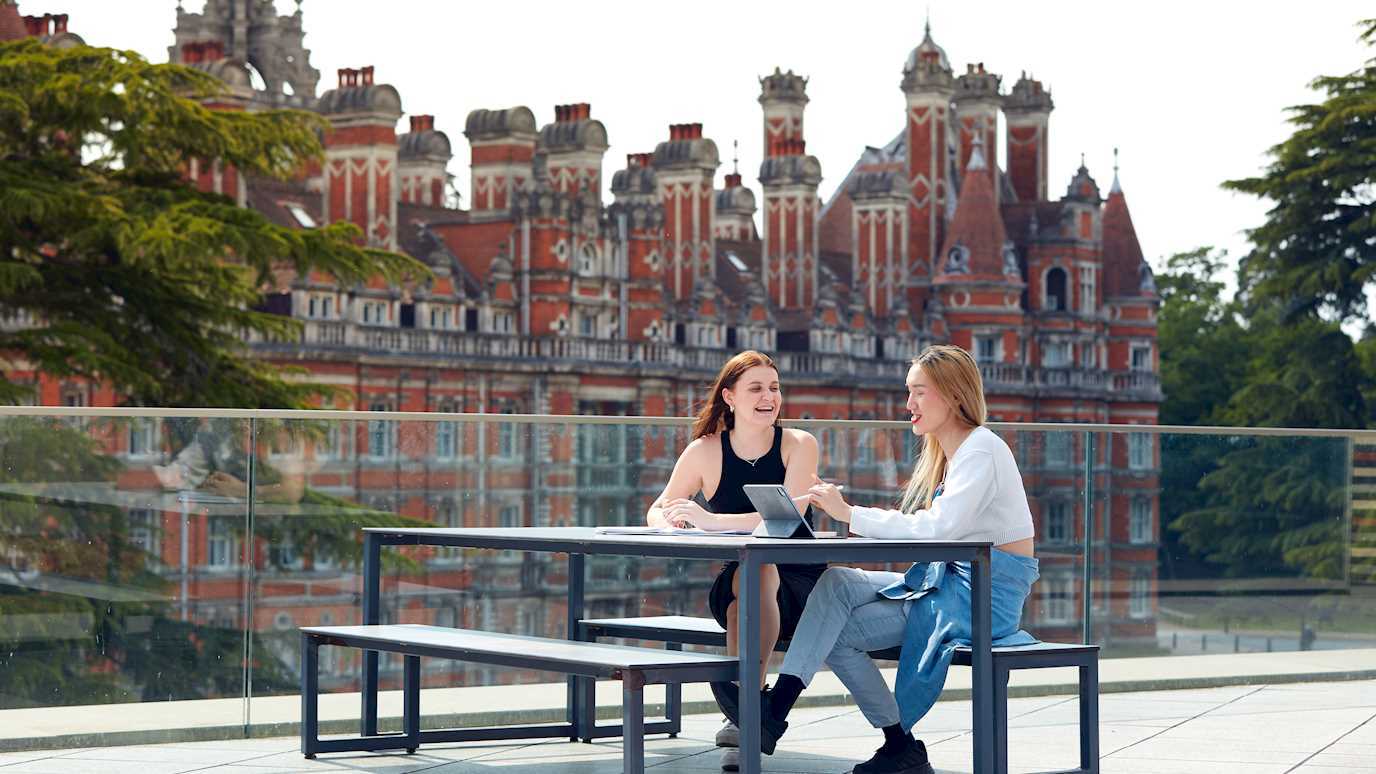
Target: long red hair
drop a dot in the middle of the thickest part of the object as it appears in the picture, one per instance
(716, 415)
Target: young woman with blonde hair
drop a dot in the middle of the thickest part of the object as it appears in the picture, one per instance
(737, 441)
(965, 486)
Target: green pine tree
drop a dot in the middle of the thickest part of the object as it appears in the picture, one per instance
(1316, 252)
(129, 275)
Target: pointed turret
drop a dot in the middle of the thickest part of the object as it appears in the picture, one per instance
(1126, 272)
(977, 245)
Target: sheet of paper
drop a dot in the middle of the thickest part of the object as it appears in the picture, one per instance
(669, 531)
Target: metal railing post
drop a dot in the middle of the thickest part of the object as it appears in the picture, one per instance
(1087, 562)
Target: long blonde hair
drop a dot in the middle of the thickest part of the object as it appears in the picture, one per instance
(954, 374)
(715, 414)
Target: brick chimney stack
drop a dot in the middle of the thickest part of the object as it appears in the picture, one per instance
(503, 147)
(423, 161)
(361, 176)
(574, 146)
(685, 166)
(1027, 114)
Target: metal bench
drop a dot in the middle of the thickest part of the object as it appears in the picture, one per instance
(679, 630)
(634, 667)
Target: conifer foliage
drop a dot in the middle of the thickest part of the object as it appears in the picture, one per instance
(1316, 252)
(113, 266)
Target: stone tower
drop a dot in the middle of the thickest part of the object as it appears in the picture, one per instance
(250, 31)
(978, 101)
(790, 177)
(1027, 111)
(928, 85)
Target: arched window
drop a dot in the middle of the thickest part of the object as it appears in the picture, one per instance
(587, 259)
(1055, 299)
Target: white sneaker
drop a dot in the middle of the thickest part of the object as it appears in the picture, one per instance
(730, 759)
(728, 735)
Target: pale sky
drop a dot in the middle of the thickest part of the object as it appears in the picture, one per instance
(1191, 92)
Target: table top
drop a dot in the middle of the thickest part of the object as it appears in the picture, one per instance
(587, 540)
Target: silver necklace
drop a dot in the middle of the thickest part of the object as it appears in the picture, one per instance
(758, 457)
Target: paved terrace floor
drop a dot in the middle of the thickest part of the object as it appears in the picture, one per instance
(1306, 728)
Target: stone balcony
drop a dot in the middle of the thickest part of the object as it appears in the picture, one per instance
(340, 336)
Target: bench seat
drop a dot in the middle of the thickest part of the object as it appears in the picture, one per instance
(676, 629)
(634, 667)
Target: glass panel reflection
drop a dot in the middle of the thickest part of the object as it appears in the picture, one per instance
(122, 577)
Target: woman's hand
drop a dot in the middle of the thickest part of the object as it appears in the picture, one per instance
(828, 498)
(682, 513)
(225, 485)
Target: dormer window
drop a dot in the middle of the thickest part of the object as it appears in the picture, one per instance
(1054, 299)
(1056, 354)
(1141, 358)
(373, 312)
(442, 316)
(320, 306)
(1088, 290)
(988, 349)
(587, 259)
(303, 218)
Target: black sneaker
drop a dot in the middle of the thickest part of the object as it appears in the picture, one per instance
(728, 696)
(912, 759)
(728, 699)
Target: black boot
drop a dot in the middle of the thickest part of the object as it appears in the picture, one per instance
(908, 758)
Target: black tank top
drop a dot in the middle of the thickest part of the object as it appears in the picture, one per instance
(736, 473)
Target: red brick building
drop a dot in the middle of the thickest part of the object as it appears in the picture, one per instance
(546, 299)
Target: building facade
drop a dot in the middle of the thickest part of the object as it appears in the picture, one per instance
(547, 298)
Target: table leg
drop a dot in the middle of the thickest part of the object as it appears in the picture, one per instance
(748, 646)
(633, 723)
(982, 662)
(411, 703)
(579, 719)
(310, 695)
(372, 579)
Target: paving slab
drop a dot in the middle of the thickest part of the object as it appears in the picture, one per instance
(1219, 730)
(207, 719)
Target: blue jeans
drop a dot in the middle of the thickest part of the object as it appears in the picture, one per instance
(844, 620)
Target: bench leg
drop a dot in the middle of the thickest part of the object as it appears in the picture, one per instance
(673, 700)
(1000, 735)
(586, 689)
(411, 703)
(310, 693)
(1089, 715)
(632, 723)
(580, 723)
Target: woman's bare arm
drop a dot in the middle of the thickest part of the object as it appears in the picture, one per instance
(684, 482)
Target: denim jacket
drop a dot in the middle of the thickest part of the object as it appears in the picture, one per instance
(938, 611)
